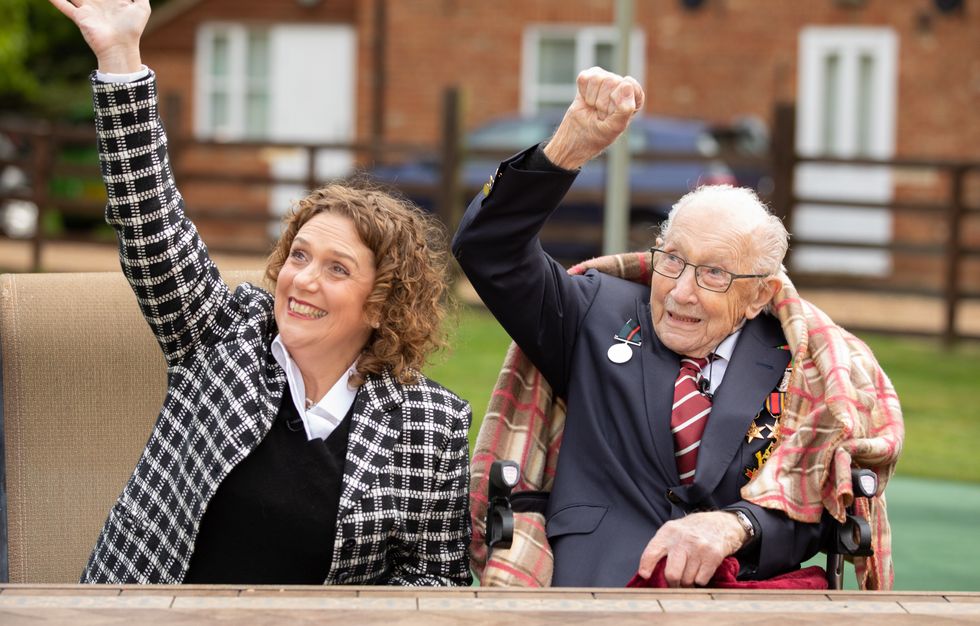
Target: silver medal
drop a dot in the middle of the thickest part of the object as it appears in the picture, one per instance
(619, 352)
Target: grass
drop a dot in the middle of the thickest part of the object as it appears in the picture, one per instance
(936, 386)
(471, 367)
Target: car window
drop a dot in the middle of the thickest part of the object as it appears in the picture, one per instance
(511, 134)
(646, 135)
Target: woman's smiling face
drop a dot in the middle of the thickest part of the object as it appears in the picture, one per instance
(322, 290)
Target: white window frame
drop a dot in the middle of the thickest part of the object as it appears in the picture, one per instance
(586, 37)
(237, 87)
(816, 43)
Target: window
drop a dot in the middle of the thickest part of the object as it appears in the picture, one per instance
(847, 91)
(554, 55)
(233, 67)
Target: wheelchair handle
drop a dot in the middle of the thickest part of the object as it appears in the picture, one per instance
(504, 476)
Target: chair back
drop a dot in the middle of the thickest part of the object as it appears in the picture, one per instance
(83, 383)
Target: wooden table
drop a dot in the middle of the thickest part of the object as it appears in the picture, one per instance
(80, 605)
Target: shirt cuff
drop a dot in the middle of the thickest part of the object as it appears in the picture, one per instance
(108, 77)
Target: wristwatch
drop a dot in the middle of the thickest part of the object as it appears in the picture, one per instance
(746, 524)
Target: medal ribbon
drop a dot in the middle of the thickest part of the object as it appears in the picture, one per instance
(630, 333)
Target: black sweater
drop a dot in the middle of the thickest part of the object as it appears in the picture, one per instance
(273, 519)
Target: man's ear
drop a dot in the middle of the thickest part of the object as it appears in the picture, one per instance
(762, 296)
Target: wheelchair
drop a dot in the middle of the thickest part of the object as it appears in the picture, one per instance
(849, 538)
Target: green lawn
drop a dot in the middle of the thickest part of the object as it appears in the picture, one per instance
(936, 387)
(470, 369)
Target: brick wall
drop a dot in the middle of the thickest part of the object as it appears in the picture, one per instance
(729, 58)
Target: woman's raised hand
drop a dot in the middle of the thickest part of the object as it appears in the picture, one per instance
(112, 29)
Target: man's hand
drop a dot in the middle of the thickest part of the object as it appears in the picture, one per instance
(111, 28)
(602, 109)
(694, 547)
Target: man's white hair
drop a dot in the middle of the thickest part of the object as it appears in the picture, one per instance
(750, 216)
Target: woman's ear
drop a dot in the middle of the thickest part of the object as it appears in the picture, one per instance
(767, 288)
(373, 317)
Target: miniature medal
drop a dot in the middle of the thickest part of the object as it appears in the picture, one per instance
(628, 335)
(754, 432)
(784, 383)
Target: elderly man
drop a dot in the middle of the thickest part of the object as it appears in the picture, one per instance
(672, 389)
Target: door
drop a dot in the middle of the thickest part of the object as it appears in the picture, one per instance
(313, 82)
(846, 108)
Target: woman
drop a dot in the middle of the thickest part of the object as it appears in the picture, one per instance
(297, 442)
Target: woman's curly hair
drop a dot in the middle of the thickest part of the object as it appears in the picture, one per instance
(411, 261)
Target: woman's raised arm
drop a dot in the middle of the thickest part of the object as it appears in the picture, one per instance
(111, 28)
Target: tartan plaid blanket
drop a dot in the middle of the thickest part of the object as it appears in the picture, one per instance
(841, 409)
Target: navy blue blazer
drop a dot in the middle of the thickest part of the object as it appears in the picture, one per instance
(616, 480)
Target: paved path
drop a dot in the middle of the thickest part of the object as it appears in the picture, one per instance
(934, 524)
(15, 256)
(899, 312)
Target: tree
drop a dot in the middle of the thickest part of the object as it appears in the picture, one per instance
(17, 85)
(44, 62)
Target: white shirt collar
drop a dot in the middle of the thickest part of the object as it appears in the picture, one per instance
(715, 371)
(727, 347)
(322, 418)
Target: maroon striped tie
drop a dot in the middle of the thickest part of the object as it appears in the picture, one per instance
(688, 417)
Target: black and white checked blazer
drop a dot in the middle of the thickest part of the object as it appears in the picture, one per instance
(404, 516)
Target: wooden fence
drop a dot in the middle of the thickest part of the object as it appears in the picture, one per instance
(41, 151)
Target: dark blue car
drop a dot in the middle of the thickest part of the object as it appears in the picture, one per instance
(574, 232)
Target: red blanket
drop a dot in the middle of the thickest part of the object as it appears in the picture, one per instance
(813, 577)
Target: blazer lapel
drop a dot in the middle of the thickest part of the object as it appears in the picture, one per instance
(375, 428)
(660, 367)
(754, 371)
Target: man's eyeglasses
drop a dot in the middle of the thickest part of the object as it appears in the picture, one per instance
(706, 276)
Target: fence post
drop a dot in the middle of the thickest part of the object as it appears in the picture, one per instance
(951, 288)
(450, 160)
(379, 79)
(782, 153)
(41, 166)
(311, 181)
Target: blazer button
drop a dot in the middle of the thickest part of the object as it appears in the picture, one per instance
(349, 543)
(342, 577)
(673, 497)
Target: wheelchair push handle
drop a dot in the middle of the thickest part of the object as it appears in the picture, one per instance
(853, 537)
(864, 482)
(504, 476)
